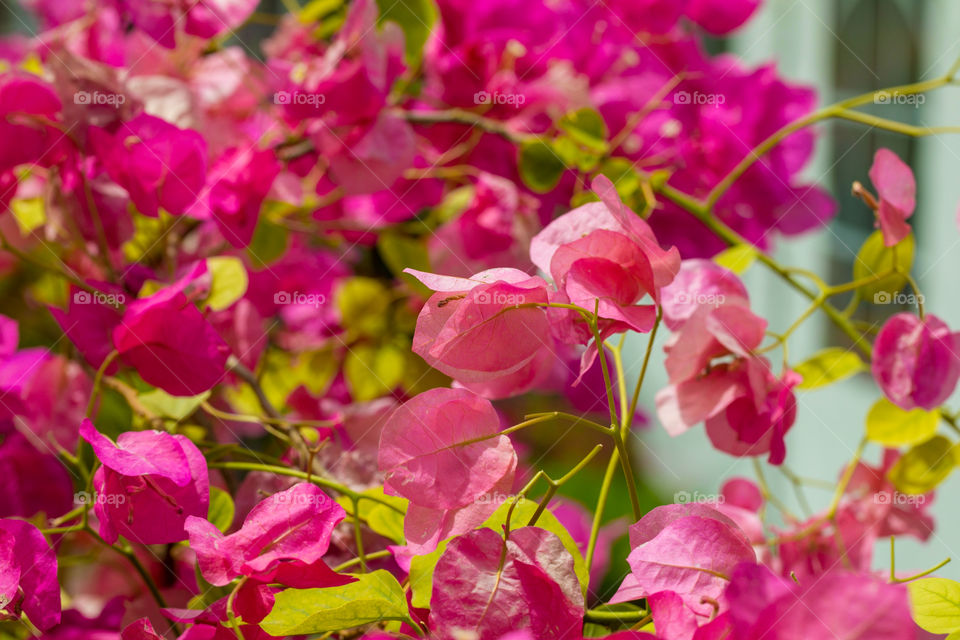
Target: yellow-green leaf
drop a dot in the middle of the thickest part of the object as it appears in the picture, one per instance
(30, 214)
(891, 426)
(363, 304)
(829, 366)
(400, 252)
(373, 597)
(924, 466)
(382, 519)
(587, 127)
(177, 407)
(416, 18)
(372, 372)
(935, 603)
(540, 167)
(228, 281)
(874, 259)
(738, 258)
(221, 509)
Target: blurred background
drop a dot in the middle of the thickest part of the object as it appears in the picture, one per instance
(844, 48)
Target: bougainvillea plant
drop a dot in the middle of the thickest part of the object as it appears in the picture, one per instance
(316, 325)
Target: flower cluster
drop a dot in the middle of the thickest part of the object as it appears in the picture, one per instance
(317, 324)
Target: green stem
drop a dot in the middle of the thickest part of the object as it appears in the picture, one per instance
(607, 617)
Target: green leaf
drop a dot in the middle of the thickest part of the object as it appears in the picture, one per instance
(891, 426)
(587, 127)
(269, 243)
(924, 466)
(374, 597)
(177, 407)
(228, 281)
(221, 510)
(874, 258)
(30, 214)
(416, 18)
(421, 568)
(829, 366)
(380, 518)
(363, 304)
(400, 252)
(372, 372)
(540, 168)
(738, 258)
(935, 603)
(623, 175)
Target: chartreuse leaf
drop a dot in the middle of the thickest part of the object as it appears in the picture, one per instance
(400, 252)
(738, 258)
(829, 366)
(228, 281)
(935, 603)
(874, 259)
(30, 214)
(924, 466)
(374, 597)
(282, 372)
(378, 516)
(586, 127)
(891, 426)
(416, 18)
(165, 405)
(372, 371)
(363, 304)
(221, 509)
(421, 568)
(540, 166)
(269, 242)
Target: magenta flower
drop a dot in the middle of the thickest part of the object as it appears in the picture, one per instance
(239, 181)
(721, 16)
(916, 362)
(690, 549)
(527, 580)
(604, 252)
(700, 283)
(28, 574)
(485, 328)
(159, 164)
(451, 487)
(27, 107)
(283, 539)
(170, 344)
(897, 189)
(840, 604)
(149, 483)
(746, 408)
